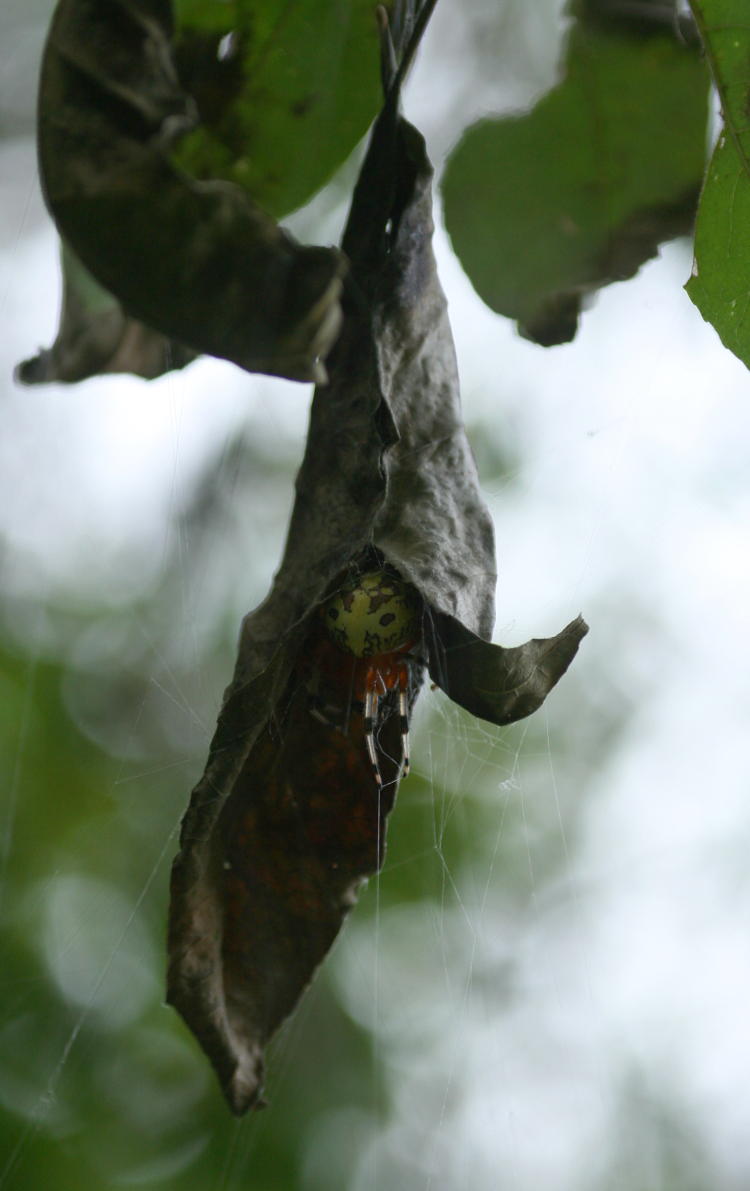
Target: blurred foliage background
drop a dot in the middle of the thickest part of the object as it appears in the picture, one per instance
(546, 987)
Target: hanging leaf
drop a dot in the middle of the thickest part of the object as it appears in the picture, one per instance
(289, 816)
(199, 262)
(95, 336)
(721, 281)
(546, 207)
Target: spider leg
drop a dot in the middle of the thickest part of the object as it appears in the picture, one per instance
(403, 714)
(371, 707)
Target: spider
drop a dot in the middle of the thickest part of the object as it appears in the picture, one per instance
(375, 617)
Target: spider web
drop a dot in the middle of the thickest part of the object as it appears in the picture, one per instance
(546, 986)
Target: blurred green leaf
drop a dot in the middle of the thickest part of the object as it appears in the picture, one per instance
(284, 91)
(545, 207)
(721, 274)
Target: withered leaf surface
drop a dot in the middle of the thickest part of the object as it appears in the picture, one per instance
(95, 336)
(197, 261)
(287, 819)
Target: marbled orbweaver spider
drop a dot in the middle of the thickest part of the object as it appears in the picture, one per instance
(375, 618)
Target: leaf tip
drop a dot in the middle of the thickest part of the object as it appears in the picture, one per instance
(577, 627)
(244, 1088)
(555, 322)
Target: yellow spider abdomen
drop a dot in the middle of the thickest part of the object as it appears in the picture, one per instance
(373, 613)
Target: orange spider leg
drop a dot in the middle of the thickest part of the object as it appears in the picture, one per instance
(378, 684)
(371, 709)
(403, 713)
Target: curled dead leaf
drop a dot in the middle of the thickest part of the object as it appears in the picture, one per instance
(96, 337)
(199, 262)
(288, 818)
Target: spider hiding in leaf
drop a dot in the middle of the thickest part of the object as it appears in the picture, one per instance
(374, 621)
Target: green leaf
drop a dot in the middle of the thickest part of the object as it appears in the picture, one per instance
(720, 285)
(284, 91)
(547, 206)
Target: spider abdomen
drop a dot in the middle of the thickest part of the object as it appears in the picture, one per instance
(373, 613)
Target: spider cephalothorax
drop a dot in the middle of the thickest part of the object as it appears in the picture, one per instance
(376, 618)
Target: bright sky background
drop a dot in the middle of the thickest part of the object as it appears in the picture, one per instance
(633, 507)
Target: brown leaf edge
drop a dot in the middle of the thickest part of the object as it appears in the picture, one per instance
(195, 979)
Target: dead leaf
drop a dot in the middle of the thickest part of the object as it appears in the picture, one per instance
(287, 819)
(96, 337)
(197, 261)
